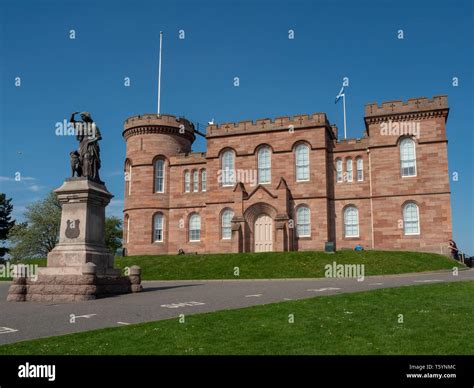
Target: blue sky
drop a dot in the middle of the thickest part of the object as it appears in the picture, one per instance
(223, 40)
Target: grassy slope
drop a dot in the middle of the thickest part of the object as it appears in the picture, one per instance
(438, 319)
(280, 264)
(277, 264)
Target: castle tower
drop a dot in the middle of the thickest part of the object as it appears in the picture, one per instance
(151, 140)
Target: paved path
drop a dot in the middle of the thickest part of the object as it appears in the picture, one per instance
(168, 299)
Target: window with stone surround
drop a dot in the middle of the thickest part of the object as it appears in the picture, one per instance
(338, 170)
(203, 180)
(195, 227)
(158, 227)
(302, 163)
(195, 181)
(349, 169)
(411, 219)
(227, 168)
(226, 225)
(127, 228)
(159, 176)
(303, 221)
(407, 157)
(264, 163)
(128, 177)
(187, 181)
(360, 169)
(351, 222)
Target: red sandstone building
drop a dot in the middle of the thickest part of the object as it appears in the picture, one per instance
(289, 183)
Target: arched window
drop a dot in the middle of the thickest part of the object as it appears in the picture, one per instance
(158, 227)
(226, 225)
(339, 170)
(351, 222)
(302, 162)
(128, 177)
(195, 181)
(203, 180)
(127, 228)
(303, 221)
(264, 165)
(407, 157)
(411, 219)
(159, 176)
(360, 169)
(195, 227)
(187, 181)
(227, 168)
(349, 169)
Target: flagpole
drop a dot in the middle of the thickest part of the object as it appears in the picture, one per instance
(159, 71)
(344, 105)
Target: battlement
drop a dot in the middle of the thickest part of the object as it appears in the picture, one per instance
(394, 107)
(267, 124)
(352, 140)
(189, 158)
(155, 123)
(351, 144)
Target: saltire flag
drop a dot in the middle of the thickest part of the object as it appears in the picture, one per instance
(341, 94)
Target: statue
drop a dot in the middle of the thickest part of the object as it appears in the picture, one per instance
(85, 162)
(75, 164)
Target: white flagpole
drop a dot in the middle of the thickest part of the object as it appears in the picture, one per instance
(344, 104)
(159, 72)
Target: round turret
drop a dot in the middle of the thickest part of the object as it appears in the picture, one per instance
(152, 141)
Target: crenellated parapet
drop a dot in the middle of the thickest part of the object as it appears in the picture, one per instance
(152, 123)
(351, 144)
(263, 125)
(413, 109)
(190, 158)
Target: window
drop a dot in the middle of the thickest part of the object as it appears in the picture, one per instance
(226, 225)
(187, 181)
(351, 222)
(302, 162)
(303, 222)
(127, 231)
(227, 168)
(158, 227)
(195, 181)
(339, 170)
(411, 221)
(349, 170)
(195, 228)
(160, 176)
(264, 165)
(128, 177)
(407, 157)
(203, 180)
(360, 169)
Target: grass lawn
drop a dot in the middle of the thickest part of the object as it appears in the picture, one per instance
(275, 265)
(437, 319)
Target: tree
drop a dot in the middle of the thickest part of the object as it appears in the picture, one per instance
(113, 233)
(6, 222)
(38, 235)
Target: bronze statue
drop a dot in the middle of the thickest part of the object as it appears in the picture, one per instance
(88, 135)
(75, 164)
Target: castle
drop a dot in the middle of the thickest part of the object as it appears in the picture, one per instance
(289, 184)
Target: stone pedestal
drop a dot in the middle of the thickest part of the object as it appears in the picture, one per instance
(80, 267)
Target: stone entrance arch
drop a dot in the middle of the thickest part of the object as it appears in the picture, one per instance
(263, 215)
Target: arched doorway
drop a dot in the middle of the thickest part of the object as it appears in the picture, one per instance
(251, 215)
(263, 233)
